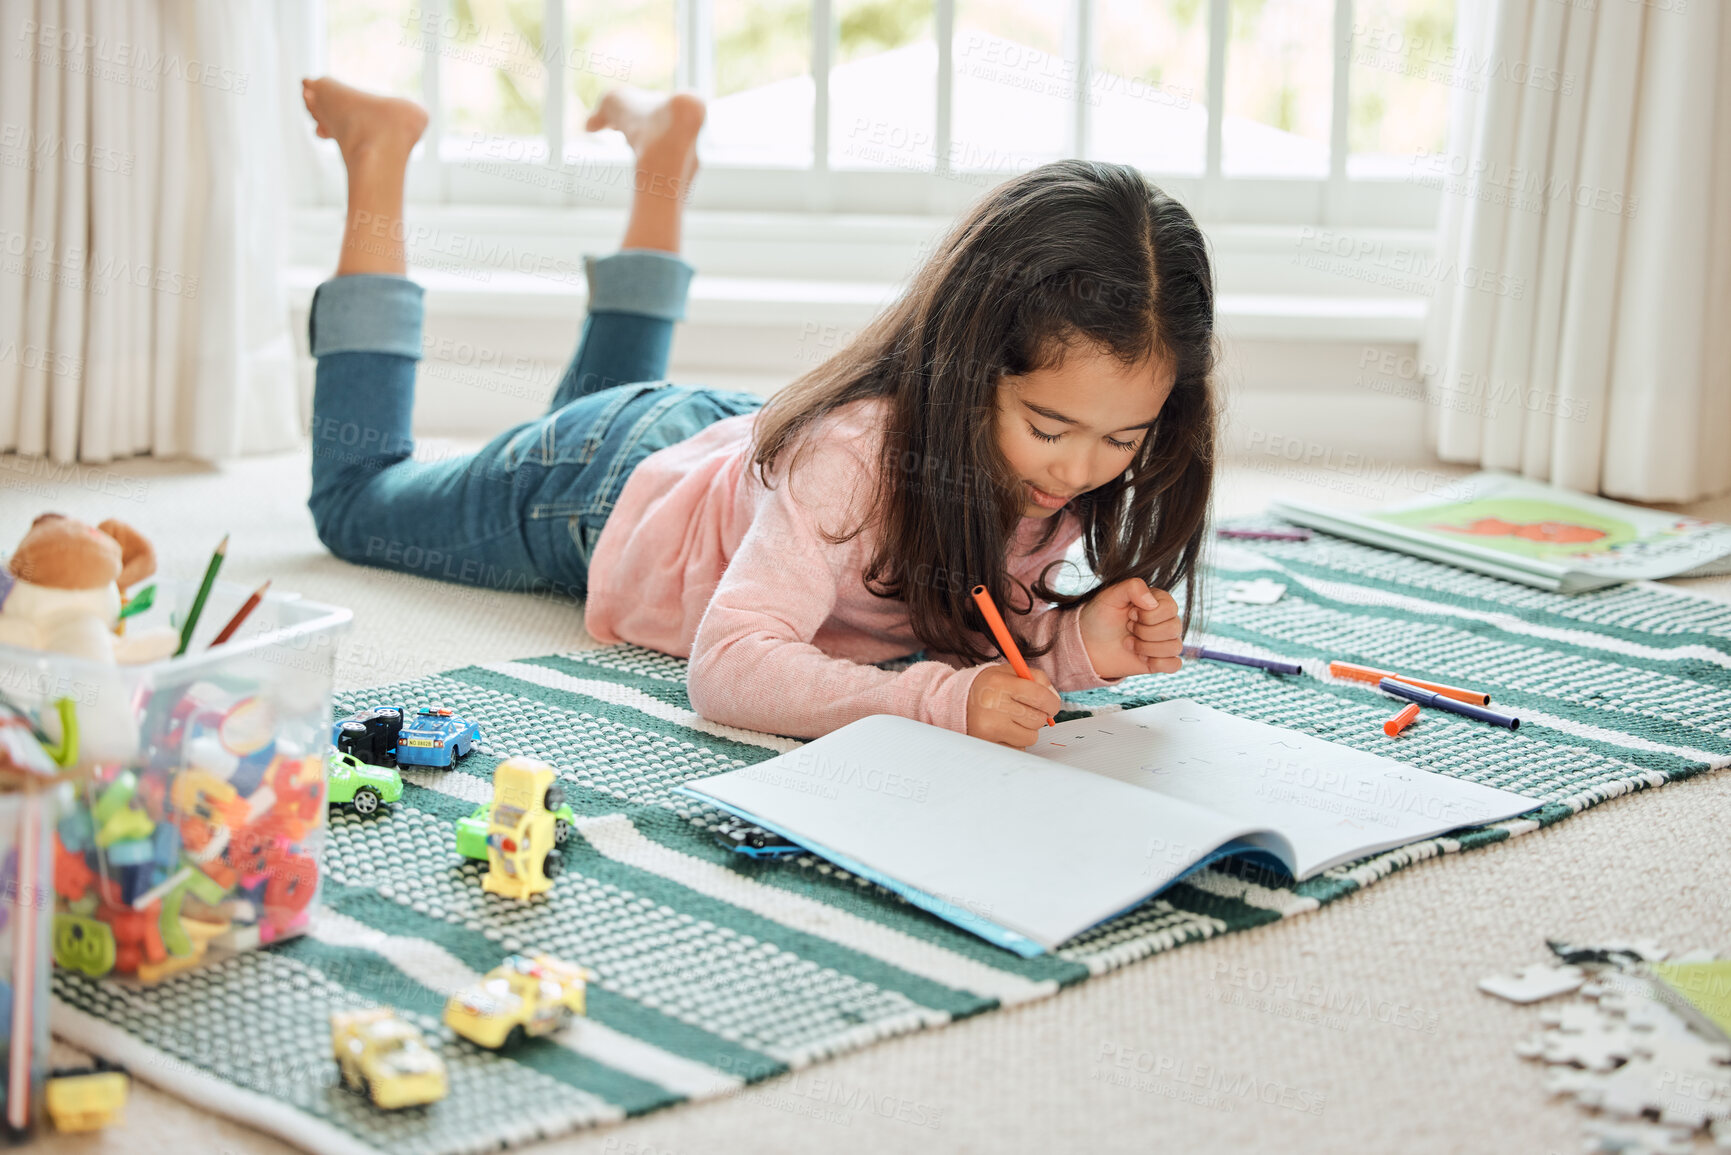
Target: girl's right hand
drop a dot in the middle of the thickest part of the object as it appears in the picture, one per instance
(1008, 709)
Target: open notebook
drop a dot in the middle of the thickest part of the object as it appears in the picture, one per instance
(1030, 848)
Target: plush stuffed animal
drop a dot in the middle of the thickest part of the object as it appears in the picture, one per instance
(66, 582)
(65, 597)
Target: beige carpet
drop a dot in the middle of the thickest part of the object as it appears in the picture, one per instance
(1412, 1060)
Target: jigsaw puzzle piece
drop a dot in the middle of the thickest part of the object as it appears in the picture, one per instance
(1616, 1138)
(1260, 592)
(1695, 1085)
(1534, 983)
(1585, 1086)
(1619, 993)
(1656, 1020)
(1573, 1018)
(1686, 1052)
(1640, 1087)
(1600, 1050)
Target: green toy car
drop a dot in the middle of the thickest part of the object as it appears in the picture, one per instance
(472, 831)
(363, 785)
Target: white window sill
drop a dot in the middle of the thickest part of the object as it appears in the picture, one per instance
(777, 270)
(771, 302)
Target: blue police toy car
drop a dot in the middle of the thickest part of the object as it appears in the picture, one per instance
(435, 737)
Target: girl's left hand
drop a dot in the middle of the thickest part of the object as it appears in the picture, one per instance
(1131, 628)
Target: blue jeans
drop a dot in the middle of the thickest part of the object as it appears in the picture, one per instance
(525, 511)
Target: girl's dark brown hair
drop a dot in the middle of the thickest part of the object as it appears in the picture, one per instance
(1072, 254)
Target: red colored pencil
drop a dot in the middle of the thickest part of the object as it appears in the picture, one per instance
(246, 608)
(1006, 643)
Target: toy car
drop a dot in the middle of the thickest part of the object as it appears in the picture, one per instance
(370, 735)
(385, 1058)
(738, 834)
(522, 996)
(522, 848)
(362, 786)
(86, 1098)
(435, 737)
(472, 831)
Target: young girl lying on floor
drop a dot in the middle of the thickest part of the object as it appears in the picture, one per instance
(1046, 377)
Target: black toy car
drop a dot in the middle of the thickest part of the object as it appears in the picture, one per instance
(370, 735)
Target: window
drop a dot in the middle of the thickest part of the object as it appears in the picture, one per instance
(1254, 111)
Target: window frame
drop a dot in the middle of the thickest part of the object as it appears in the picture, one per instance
(439, 175)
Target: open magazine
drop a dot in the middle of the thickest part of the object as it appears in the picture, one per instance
(1028, 849)
(1538, 535)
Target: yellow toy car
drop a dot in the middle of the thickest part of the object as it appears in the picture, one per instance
(86, 1098)
(522, 842)
(520, 997)
(385, 1058)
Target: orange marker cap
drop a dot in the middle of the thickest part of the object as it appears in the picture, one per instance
(1400, 721)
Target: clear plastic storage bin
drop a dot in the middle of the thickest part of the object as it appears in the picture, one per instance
(198, 815)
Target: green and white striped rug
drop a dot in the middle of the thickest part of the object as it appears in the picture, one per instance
(715, 971)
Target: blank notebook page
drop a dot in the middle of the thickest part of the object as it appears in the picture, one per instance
(1332, 802)
(1041, 848)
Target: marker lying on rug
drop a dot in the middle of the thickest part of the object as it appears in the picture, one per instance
(1272, 665)
(1266, 534)
(1426, 698)
(1367, 674)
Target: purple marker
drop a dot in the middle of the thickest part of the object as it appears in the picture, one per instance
(1426, 698)
(1272, 665)
(1266, 534)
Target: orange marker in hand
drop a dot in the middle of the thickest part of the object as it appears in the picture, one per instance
(1006, 643)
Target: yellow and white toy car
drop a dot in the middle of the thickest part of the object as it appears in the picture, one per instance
(522, 996)
(87, 1098)
(522, 842)
(386, 1058)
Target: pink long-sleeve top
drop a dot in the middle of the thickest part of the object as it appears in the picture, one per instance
(700, 559)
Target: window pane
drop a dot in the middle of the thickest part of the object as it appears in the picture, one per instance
(491, 78)
(377, 45)
(1014, 86)
(883, 86)
(761, 113)
(1402, 74)
(1149, 87)
(614, 42)
(1279, 87)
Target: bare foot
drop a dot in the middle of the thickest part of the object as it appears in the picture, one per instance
(363, 122)
(661, 130)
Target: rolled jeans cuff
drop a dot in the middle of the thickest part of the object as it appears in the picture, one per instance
(644, 281)
(366, 313)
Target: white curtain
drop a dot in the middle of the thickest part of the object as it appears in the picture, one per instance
(142, 227)
(1585, 334)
